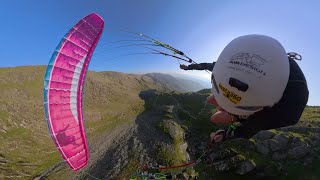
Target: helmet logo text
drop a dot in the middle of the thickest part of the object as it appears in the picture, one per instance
(251, 61)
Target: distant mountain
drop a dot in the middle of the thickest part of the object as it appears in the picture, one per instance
(177, 83)
(206, 83)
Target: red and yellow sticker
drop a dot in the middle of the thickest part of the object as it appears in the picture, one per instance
(233, 97)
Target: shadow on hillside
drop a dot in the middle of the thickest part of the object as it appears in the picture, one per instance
(147, 94)
(148, 131)
(141, 141)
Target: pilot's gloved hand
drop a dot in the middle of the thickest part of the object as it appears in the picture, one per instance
(184, 67)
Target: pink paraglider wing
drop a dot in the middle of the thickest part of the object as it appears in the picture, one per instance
(63, 89)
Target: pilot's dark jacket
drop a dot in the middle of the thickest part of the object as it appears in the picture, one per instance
(286, 112)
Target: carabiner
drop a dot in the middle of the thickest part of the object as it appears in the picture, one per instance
(294, 56)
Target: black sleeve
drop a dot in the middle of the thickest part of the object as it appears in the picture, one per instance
(201, 66)
(286, 112)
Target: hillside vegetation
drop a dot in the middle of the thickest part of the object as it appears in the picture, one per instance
(137, 120)
(111, 99)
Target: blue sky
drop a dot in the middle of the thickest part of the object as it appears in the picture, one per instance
(30, 31)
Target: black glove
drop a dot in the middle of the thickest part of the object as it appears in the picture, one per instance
(184, 67)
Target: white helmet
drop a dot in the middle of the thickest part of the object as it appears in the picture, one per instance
(251, 72)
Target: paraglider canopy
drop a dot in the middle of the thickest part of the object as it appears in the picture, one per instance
(63, 89)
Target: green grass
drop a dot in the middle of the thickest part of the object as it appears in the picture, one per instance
(4, 115)
(61, 174)
(105, 124)
(165, 156)
(192, 102)
(25, 148)
(298, 135)
(311, 113)
(17, 133)
(132, 166)
(174, 154)
(167, 116)
(297, 171)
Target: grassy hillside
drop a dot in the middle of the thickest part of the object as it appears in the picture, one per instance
(113, 99)
(25, 146)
